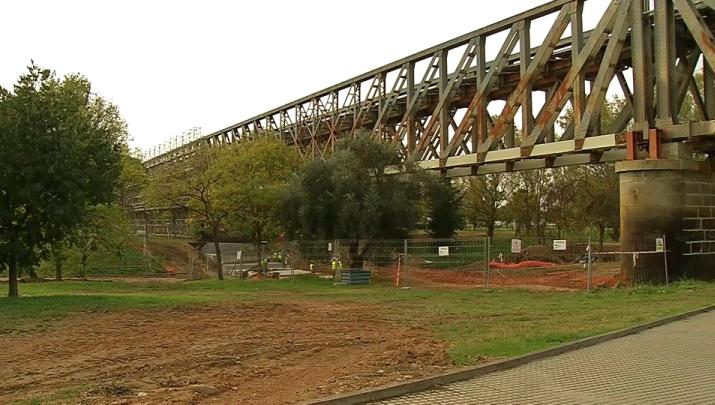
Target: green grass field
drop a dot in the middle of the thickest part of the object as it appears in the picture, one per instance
(475, 323)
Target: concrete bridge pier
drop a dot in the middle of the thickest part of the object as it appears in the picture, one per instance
(674, 198)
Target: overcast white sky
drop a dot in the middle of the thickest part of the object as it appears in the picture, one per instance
(173, 65)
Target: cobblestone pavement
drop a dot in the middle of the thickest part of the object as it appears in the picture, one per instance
(669, 364)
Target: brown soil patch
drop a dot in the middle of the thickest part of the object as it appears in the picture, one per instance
(252, 353)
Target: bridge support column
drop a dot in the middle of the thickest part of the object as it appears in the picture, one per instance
(668, 197)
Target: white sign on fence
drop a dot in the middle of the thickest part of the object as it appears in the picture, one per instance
(238, 255)
(516, 246)
(443, 251)
(559, 244)
(330, 246)
(659, 245)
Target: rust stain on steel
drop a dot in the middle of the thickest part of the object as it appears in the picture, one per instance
(632, 139)
(654, 143)
(620, 137)
(578, 143)
(706, 40)
(526, 151)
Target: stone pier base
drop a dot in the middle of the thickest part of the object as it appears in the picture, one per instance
(673, 199)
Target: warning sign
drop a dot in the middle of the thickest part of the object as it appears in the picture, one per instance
(516, 246)
(559, 244)
(659, 245)
(443, 251)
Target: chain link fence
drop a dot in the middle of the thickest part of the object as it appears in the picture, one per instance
(570, 263)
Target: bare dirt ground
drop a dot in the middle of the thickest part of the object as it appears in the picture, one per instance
(267, 353)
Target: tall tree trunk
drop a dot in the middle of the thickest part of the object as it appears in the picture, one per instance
(12, 293)
(259, 253)
(258, 236)
(601, 233)
(84, 265)
(33, 274)
(58, 270)
(356, 260)
(490, 228)
(219, 261)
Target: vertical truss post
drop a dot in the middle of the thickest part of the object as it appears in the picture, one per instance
(642, 88)
(527, 116)
(550, 131)
(664, 61)
(578, 98)
(594, 127)
(709, 84)
(382, 94)
(509, 136)
(653, 143)
(411, 127)
(480, 123)
(444, 117)
(357, 101)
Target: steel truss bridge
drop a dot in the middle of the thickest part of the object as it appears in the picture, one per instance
(442, 115)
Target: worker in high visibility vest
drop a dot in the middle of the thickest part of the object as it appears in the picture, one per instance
(334, 266)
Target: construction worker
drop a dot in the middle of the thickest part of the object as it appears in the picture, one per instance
(334, 266)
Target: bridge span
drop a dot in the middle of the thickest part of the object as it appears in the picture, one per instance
(448, 107)
(452, 109)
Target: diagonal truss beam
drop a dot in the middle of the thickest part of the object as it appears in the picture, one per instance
(535, 67)
(618, 9)
(702, 34)
(478, 100)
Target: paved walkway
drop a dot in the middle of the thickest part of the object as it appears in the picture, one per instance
(673, 363)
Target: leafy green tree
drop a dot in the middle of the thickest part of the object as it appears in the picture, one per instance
(597, 198)
(60, 152)
(530, 203)
(690, 111)
(350, 196)
(610, 110)
(252, 199)
(193, 185)
(444, 199)
(485, 197)
(104, 227)
(133, 179)
(58, 256)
